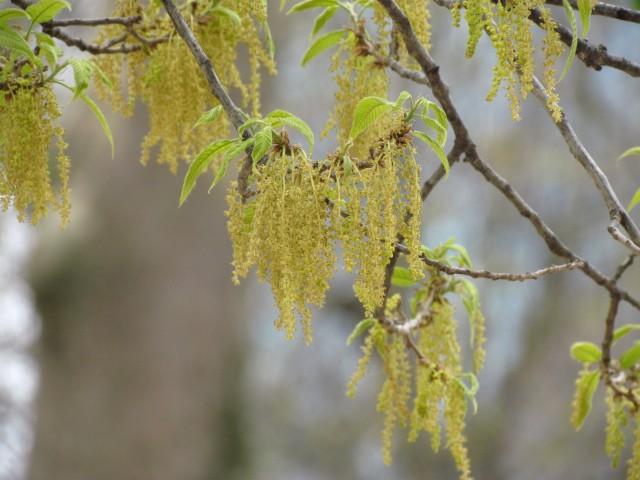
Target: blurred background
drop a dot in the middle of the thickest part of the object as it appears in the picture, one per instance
(126, 352)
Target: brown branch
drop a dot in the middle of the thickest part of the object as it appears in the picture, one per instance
(95, 22)
(605, 10)
(622, 268)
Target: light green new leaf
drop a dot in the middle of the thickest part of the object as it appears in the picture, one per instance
(322, 43)
(209, 116)
(587, 387)
(12, 40)
(262, 143)
(632, 356)
(100, 116)
(280, 118)
(435, 146)
(631, 151)
(230, 154)
(471, 303)
(307, 4)
(81, 74)
(9, 13)
(201, 162)
(401, 99)
(227, 12)
(271, 45)
(437, 127)
(369, 109)
(634, 200)
(401, 277)
(622, 331)
(360, 328)
(574, 43)
(103, 77)
(322, 19)
(463, 260)
(46, 10)
(586, 352)
(51, 53)
(470, 390)
(584, 7)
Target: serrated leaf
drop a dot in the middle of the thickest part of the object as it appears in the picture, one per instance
(632, 356)
(9, 13)
(401, 99)
(322, 19)
(574, 42)
(401, 277)
(12, 40)
(634, 200)
(307, 4)
(227, 12)
(587, 386)
(46, 10)
(584, 7)
(435, 146)
(631, 151)
(229, 155)
(360, 328)
(51, 53)
(100, 116)
(81, 74)
(435, 125)
(322, 43)
(201, 162)
(281, 118)
(103, 77)
(622, 331)
(586, 352)
(262, 143)
(369, 109)
(209, 116)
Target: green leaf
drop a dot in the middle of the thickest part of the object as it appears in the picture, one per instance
(401, 99)
(435, 146)
(631, 151)
(100, 116)
(209, 116)
(470, 390)
(201, 162)
(281, 118)
(322, 43)
(584, 7)
(307, 4)
(230, 154)
(9, 13)
(262, 143)
(369, 109)
(46, 10)
(622, 331)
(271, 45)
(12, 40)
(574, 43)
(401, 277)
(81, 74)
(103, 77)
(227, 12)
(51, 53)
(587, 386)
(632, 356)
(322, 19)
(634, 200)
(360, 328)
(463, 260)
(586, 352)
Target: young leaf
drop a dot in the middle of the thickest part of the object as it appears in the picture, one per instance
(622, 331)
(435, 146)
(209, 116)
(227, 12)
(632, 356)
(46, 10)
(12, 40)
(401, 99)
(230, 154)
(470, 390)
(103, 77)
(280, 118)
(586, 387)
(81, 74)
(322, 19)
(271, 45)
(401, 277)
(369, 109)
(574, 43)
(307, 4)
(584, 7)
(322, 43)
(10, 13)
(631, 151)
(586, 352)
(634, 200)
(201, 162)
(262, 143)
(360, 328)
(463, 260)
(100, 116)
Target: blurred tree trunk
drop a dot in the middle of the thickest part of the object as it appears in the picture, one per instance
(139, 360)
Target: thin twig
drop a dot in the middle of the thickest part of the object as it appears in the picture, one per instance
(622, 268)
(605, 10)
(619, 237)
(94, 22)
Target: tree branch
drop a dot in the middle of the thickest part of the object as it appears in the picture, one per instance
(605, 10)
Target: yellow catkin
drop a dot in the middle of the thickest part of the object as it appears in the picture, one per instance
(633, 464)
(616, 421)
(28, 126)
